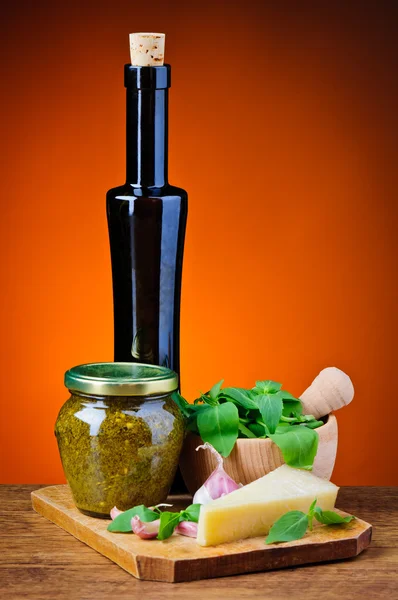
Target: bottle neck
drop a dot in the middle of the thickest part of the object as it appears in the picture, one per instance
(147, 137)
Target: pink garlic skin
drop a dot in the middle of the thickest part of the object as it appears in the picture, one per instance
(218, 484)
(115, 512)
(146, 531)
(187, 528)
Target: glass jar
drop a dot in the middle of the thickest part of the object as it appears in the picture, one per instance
(119, 435)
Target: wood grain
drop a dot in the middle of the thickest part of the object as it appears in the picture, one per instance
(181, 559)
(42, 562)
(251, 459)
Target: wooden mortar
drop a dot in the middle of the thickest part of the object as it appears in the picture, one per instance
(253, 458)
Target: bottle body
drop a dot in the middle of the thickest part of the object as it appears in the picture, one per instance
(146, 221)
(146, 232)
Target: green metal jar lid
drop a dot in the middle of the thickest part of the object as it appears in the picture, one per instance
(121, 379)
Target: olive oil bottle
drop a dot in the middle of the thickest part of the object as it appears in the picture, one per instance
(147, 219)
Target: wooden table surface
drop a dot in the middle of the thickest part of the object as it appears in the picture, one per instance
(39, 561)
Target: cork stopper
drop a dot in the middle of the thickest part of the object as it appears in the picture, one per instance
(147, 49)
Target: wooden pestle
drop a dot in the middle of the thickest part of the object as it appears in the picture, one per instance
(329, 391)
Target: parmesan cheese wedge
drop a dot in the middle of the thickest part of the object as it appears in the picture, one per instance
(252, 510)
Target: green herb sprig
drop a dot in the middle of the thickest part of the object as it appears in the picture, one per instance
(122, 523)
(222, 415)
(294, 524)
(168, 520)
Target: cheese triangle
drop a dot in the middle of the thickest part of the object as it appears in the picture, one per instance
(252, 510)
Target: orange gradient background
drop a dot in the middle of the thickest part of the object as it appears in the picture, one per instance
(283, 129)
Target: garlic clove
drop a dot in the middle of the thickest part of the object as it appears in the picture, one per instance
(202, 496)
(188, 528)
(218, 484)
(115, 512)
(145, 531)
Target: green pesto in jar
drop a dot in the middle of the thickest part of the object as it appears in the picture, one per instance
(119, 450)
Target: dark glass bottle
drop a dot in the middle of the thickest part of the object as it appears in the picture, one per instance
(146, 221)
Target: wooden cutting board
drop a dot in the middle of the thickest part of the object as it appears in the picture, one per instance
(181, 559)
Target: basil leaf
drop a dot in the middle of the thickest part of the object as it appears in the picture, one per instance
(240, 396)
(257, 429)
(181, 403)
(246, 432)
(307, 418)
(283, 428)
(207, 399)
(288, 396)
(122, 523)
(218, 425)
(314, 424)
(191, 421)
(329, 517)
(191, 424)
(197, 407)
(267, 387)
(191, 513)
(292, 408)
(312, 507)
(311, 513)
(270, 406)
(215, 390)
(292, 526)
(168, 522)
(298, 446)
(244, 414)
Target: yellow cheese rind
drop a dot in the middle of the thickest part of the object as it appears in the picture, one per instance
(253, 509)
